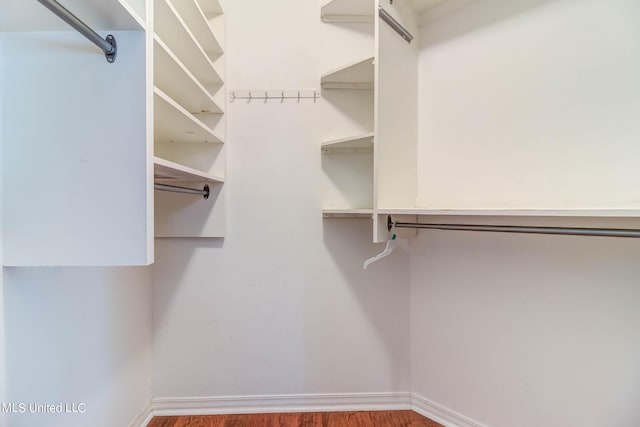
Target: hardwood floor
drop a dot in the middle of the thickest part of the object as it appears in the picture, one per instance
(301, 419)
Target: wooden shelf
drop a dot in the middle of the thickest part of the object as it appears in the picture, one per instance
(172, 123)
(347, 11)
(191, 12)
(171, 27)
(347, 213)
(356, 143)
(165, 171)
(175, 80)
(568, 213)
(356, 75)
(100, 15)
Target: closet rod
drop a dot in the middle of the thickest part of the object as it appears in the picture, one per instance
(386, 17)
(108, 45)
(602, 232)
(204, 192)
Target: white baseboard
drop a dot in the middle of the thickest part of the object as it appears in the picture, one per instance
(166, 406)
(441, 414)
(282, 403)
(143, 418)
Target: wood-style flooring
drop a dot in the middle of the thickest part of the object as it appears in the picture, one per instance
(301, 419)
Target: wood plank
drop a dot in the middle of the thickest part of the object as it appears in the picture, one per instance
(301, 419)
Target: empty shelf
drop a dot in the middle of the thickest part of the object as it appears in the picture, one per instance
(356, 75)
(585, 213)
(347, 213)
(191, 12)
(172, 123)
(100, 15)
(358, 142)
(171, 27)
(166, 171)
(210, 8)
(347, 11)
(175, 79)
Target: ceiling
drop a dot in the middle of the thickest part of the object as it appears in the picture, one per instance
(422, 5)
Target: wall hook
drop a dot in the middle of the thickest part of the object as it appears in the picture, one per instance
(250, 97)
(298, 97)
(282, 99)
(233, 96)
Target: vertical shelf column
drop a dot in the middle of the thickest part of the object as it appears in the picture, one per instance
(189, 116)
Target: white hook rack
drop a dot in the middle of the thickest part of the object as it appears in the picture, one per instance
(279, 94)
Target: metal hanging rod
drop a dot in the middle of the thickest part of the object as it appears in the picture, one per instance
(108, 45)
(386, 17)
(163, 187)
(601, 232)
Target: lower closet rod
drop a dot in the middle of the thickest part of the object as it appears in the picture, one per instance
(602, 232)
(107, 45)
(163, 187)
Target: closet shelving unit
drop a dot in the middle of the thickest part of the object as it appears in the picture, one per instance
(351, 155)
(188, 118)
(91, 150)
(395, 170)
(156, 115)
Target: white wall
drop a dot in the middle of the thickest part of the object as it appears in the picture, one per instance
(517, 330)
(78, 335)
(2, 327)
(530, 104)
(281, 305)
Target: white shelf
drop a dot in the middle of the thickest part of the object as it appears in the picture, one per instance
(354, 11)
(166, 171)
(191, 12)
(175, 80)
(356, 143)
(568, 213)
(347, 213)
(356, 75)
(171, 28)
(172, 123)
(211, 8)
(100, 15)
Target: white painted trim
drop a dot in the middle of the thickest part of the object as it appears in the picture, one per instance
(143, 418)
(281, 403)
(441, 414)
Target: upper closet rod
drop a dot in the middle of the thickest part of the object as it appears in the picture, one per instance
(386, 17)
(186, 190)
(602, 232)
(108, 45)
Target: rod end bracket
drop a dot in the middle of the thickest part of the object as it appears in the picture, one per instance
(111, 54)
